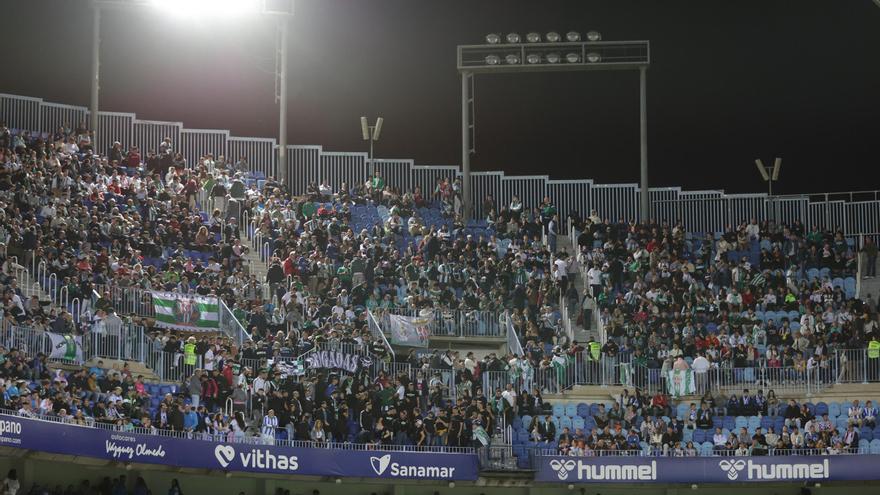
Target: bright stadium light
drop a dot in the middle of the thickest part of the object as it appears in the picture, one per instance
(207, 8)
(278, 11)
(493, 39)
(550, 52)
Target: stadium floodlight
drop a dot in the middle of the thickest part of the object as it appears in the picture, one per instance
(207, 8)
(279, 11)
(550, 52)
(770, 175)
(365, 129)
(762, 169)
(378, 128)
(371, 132)
(493, 38)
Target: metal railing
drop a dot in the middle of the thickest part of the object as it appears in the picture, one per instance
(121, 340)
(377, 333)
(230, 325)
(452, 323)
(514, 346)
(727, 380)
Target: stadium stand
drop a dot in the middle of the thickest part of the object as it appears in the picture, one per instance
(311, 284)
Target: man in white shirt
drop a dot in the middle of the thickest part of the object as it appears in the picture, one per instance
(595, 278)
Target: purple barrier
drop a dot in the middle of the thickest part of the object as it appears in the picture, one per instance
(59, 438)
(558, 469)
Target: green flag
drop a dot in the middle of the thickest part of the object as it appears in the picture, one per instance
(680, 382)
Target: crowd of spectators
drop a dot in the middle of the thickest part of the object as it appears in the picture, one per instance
(122, 220)
(752, 424)
(755, 294)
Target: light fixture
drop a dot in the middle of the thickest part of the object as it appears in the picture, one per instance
(365, 129)
(552, 58)
(377, 129)
(493, 39)
(552, 37)
(493, 60)
(511, 59)
(533, 37)
(593, 57)
(533, 58)
(513, 38)
(594, 36)
(572, 58)
(207, 8)
(573, 36)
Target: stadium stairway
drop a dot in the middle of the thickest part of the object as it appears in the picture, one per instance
(586, 331)
(866, 286)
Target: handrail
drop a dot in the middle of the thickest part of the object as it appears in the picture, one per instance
(376, 331)
(234, 328)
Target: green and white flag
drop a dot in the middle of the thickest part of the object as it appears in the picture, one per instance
(66, 347)
(292, 368)
(680, 382)
(626, 374)
(186, 312)
(481, 435)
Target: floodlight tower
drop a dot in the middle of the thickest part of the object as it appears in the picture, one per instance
(371, 133)
(550, 53)
(280, 10)
(770, 175)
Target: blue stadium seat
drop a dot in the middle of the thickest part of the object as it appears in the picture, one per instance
(583, 410)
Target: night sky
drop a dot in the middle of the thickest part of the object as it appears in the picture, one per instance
(730, 81)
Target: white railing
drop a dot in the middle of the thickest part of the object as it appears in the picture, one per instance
(377, 333)
(454, 323)
(230, 325)
(514, 346)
